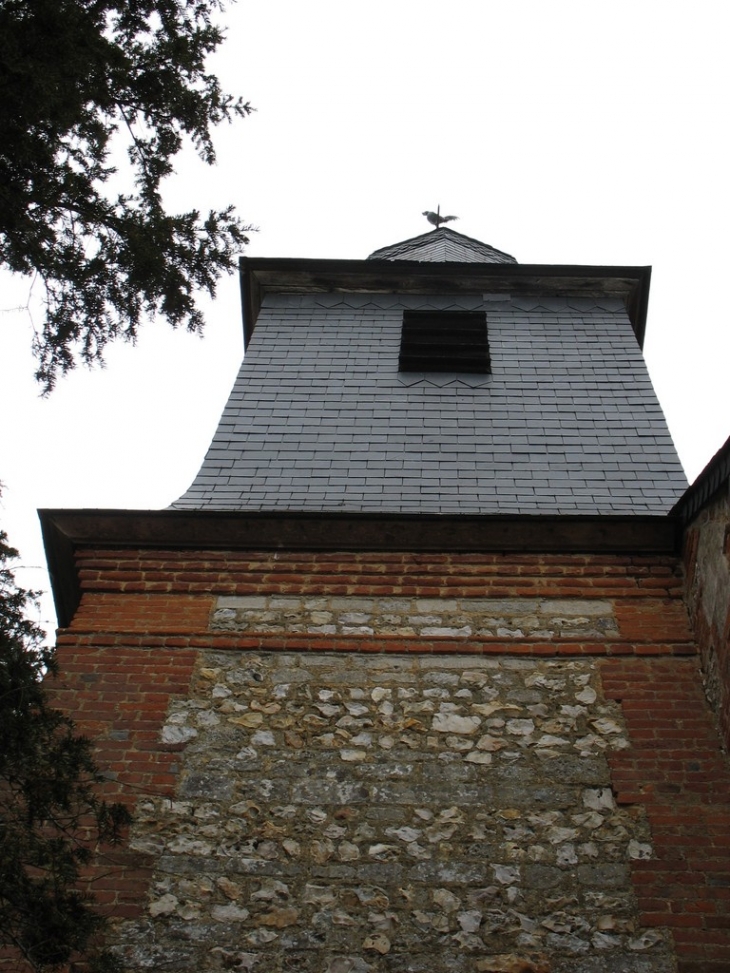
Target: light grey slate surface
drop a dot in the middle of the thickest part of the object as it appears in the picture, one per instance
(443, 245)
(320, 419)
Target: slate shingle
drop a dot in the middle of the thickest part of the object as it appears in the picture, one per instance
(319, 417)
(443, 245)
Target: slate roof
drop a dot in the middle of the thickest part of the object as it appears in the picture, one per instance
(440, 245)
(715, 477)
(320, 418)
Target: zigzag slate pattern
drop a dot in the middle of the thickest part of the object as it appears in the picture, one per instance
(320, 418)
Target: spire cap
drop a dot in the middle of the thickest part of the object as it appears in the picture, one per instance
(443, 245)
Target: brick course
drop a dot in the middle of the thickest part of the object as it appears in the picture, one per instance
(381, 573)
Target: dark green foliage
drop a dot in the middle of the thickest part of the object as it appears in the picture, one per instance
(78, 79)
(50, 813)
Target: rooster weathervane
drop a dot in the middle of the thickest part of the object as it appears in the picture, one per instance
(436, 218)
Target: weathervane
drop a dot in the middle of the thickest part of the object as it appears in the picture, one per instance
(436, 218)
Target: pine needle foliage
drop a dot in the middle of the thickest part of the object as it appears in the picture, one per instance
(51, 816)
(78, 80)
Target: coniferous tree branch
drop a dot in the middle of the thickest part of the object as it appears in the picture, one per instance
(51, 815)
(79, 78)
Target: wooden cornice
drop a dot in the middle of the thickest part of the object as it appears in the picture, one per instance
(260, 276)
(67, 531)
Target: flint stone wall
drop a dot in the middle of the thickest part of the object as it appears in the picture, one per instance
(430, 617)
(392, 813)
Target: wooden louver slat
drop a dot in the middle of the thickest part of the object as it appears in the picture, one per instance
(444, 341)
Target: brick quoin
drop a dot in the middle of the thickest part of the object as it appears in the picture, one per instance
(677, 771)
(142, 612)
(119, 697)
(660, 619)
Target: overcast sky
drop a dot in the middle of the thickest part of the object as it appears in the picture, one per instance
(560, 132)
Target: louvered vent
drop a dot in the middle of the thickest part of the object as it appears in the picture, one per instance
(444, 341)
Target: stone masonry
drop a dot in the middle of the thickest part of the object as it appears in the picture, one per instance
(516, 771)
(426, 617)
(393, 813)
(707, 560)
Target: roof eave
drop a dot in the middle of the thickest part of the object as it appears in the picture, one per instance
(66, 531)
(261, 276)
(713, 479)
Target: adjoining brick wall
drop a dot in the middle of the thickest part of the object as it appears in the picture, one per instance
(157, 675)
(676, 772)
(707, 565)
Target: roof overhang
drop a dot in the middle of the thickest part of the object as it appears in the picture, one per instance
(261, 276)
(67, 531)
(713, 479)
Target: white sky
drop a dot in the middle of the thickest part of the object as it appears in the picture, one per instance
(561, 132)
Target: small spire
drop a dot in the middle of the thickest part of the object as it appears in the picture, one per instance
(436, 218)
